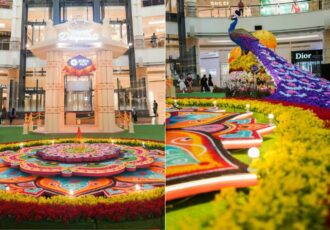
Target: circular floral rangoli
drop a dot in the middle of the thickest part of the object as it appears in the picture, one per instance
(77, 169)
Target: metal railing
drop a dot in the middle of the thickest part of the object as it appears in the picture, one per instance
(149, 42)
(223, 9)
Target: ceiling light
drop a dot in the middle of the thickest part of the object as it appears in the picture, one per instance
(157, 22)
(297, 37)
(219, 41)
(2, 25)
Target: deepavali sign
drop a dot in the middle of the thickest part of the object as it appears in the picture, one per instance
(79, 66)
(78, 35)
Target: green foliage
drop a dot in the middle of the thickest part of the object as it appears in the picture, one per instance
(293, 176)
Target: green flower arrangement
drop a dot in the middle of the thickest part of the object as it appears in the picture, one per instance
(293, 189)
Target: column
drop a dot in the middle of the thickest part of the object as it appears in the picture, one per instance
(326, 46)
(104, 93)
(54, 106)
(191, 8)
(137, 24)
(16, 23)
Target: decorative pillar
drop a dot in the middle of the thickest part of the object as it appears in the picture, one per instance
(326, 46)
(137, 24)
(54, 106)
(191, 8)
(104, 94)
(16, 23)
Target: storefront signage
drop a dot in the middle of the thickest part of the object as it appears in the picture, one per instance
(78, 35)
(79, 62)
(79, 66)
(306, 56)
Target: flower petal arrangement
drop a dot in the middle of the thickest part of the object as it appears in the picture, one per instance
(197, 140)
(34, 176)
(293, 181)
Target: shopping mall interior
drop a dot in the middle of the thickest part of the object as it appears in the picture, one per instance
(247, 122)
(199, 49)
(138, 70)
(84, 80)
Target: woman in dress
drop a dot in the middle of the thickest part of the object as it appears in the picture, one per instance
(182, 84)
(295, 7)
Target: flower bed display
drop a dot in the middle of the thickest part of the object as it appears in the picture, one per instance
(197, 140)
(126, 186)
(293, 176)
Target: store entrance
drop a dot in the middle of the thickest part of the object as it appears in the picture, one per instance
(79, 100)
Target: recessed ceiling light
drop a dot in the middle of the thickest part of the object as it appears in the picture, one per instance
(298, 37)
(157, 22)
(219, 41)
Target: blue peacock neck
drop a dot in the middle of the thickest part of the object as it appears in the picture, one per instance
(232, 25)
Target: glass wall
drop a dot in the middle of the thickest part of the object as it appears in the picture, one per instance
(79, 95)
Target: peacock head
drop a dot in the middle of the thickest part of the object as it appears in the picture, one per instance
(235, 15)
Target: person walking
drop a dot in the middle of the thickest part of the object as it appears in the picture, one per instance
(210, 83)
(155, 108)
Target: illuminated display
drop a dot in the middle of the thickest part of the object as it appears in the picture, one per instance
(78, 35)
(79, 66)
(274, 7)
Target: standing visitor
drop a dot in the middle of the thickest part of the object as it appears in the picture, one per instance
(241, 7)
(134, 115)
(12, 115)
(154, 40)
(295, 7)
(3, 113)
(155, 108)
(204, 86)
(210, 83)
(182, 84)
(189, 82)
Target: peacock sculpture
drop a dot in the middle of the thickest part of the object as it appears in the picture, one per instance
(293, 84)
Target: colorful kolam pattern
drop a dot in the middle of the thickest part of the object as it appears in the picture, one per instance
(197, 140)
(121, 169)
(29, 161)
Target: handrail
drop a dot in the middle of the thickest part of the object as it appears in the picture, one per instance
(224, 11)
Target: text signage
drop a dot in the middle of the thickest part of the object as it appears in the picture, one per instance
(79, 62)
(306, 56)
(78, 35)
(79, 66)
